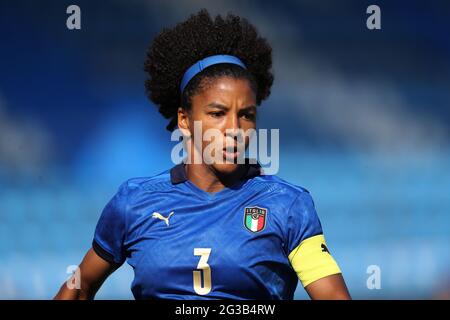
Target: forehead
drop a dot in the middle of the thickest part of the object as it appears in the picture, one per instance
(227, 90)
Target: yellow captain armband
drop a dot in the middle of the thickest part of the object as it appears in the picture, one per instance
(312, 261)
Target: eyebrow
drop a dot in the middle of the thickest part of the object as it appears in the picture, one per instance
(252, 107)
(223, 107)
(217, 105)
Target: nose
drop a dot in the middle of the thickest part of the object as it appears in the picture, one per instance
(233, 126)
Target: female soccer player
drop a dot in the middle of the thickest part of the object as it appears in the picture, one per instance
(218, 230)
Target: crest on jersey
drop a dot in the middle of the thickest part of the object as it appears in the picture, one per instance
(255, 218)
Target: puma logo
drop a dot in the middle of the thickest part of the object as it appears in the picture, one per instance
(324, 248)
(157, 215)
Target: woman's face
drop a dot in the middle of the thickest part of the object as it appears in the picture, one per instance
(227, 105)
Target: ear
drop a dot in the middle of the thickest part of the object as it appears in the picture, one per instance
(183, 121)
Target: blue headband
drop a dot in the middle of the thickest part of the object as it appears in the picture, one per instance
(205, 63)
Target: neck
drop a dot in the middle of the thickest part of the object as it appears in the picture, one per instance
(209, 180)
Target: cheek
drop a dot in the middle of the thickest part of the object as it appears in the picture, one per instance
(248, 125)
(213, 136)
(205, 122)
(207, 131)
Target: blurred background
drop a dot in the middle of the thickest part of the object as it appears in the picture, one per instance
(364, 119)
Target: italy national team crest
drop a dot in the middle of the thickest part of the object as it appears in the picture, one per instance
(255, 218)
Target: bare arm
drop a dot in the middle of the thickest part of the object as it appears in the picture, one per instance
(93, 271)
(328, 288)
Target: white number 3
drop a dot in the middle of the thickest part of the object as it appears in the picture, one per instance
(204, 267)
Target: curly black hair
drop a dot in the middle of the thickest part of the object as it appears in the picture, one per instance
(174, 50)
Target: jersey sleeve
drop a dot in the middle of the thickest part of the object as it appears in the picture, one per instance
(110, 231)
(308, 252)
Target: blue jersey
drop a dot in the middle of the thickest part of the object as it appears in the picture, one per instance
(250, 241)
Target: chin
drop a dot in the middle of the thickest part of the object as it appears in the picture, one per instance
(225, 168)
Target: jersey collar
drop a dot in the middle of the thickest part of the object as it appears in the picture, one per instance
(178, 172)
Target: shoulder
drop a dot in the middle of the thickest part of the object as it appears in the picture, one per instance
(134, 190)
(160, 181)
(290, 201)
(282, 188)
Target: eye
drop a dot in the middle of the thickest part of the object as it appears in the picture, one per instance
(217, 114)
(249, 116)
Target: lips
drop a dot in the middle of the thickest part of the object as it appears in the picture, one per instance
(231, 152)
